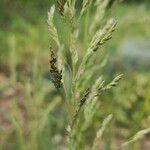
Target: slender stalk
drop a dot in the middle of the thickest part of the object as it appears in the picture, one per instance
(86, 26)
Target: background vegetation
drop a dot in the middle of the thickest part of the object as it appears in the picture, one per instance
(32, 114)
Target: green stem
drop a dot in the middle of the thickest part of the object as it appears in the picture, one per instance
(68, 107)
(86, 25)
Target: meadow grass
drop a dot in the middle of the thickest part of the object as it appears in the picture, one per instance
(81, 109)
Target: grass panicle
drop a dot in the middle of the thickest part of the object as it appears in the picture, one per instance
(82, 97)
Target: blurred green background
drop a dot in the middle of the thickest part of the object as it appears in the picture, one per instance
(31, 112)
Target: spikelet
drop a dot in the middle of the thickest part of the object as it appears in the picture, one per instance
(100, 132)
(81, 104)
(55, 73)
(66, 9)
(102, 36)
(85, 5)
(99, 14)
(113, 83)
(104, 124)
(60, 6)
(92, 103)
(98, 83)
(51, 26)
(69, 16)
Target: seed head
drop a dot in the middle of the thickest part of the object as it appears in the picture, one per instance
(55, 73)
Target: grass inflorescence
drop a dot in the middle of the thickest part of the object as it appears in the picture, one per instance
(82, 97)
